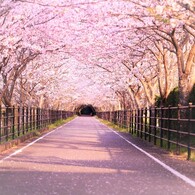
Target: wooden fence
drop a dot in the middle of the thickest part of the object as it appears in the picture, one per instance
(169, 127)
(18, 121)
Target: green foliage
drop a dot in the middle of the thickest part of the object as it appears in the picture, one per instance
(158, 100)
(113, 126)
(192, 95)
(37, 133)
(173, 98)
(166, 21)
(60, 122)
(192, 156)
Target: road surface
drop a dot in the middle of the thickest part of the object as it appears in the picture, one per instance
(85, 157)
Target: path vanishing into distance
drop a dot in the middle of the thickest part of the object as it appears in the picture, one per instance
(86, 157)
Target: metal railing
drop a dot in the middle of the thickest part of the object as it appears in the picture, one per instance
(169, 127)
(18, 121)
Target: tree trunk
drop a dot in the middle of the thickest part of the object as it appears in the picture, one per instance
(185, 68)
(185, 88)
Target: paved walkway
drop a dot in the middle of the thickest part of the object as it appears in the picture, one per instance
(85, 157)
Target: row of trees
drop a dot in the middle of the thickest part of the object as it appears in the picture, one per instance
(111, 54)
(161, 54)
(32, 68)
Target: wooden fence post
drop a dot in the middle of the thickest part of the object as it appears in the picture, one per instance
(146, 125)
(141, 122)
(13, 122)
(155, 124)
(0, 123)
(150, 124)
(169, 126)
(189, 131)
(6, 123)
(178, 129)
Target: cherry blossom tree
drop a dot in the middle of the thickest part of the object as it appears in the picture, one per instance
(11, 68)
(74, 52)
(174, 23)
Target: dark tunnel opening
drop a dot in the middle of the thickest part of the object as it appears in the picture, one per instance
(86, 110)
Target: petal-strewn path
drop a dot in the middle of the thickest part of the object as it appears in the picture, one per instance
(85, 157)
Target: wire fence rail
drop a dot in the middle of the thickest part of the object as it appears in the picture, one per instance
(18, 121)
(169, 127)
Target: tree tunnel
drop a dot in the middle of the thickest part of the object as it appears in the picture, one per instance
(86, 110)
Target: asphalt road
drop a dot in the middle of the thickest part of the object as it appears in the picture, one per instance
(85, 157)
